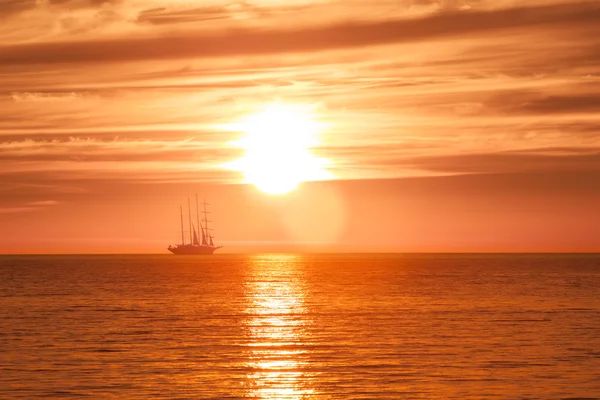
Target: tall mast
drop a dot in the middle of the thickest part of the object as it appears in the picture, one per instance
(181, 213)
(190, 217)
(198, 215)
(205, 221)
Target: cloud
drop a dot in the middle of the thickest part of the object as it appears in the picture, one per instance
(45, 97)
(582, 103)
(75, 159)
(470, 77)
(128, 150)
(42, 203)
(542, 160)
(165, 16)
(343, 35)
(26, 206)
(573, 98)
(8, 7)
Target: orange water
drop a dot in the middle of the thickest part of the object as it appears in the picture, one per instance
(300, 327)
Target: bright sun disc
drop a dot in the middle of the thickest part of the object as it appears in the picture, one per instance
(277, 143)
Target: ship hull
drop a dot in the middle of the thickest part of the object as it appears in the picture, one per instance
(192, 250)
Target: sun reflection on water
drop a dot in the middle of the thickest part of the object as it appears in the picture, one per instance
(277, 329)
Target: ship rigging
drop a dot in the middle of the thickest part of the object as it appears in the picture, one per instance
(206, 246)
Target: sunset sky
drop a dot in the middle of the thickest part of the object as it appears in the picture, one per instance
(434, 125)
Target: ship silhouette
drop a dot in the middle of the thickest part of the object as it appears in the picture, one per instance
(194, 246)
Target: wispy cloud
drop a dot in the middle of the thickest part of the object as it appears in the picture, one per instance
(94, 90)
(88, 159)
(42, 203)
(514, 162)
(245, 41)
(42, 97)
(27, 206)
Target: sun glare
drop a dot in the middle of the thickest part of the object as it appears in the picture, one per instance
(277, 142)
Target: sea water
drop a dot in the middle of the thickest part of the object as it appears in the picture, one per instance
(283, 326)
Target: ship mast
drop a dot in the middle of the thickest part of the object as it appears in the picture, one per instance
(198, 215)
(205, 220)
(181, 213)
(190, 217)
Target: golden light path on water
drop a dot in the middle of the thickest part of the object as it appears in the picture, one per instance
(277, 329)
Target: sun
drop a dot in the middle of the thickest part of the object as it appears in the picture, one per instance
(277, 142)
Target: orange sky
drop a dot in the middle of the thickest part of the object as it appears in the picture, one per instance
(450, 125)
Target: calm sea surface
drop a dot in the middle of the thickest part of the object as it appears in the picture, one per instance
(300, 327)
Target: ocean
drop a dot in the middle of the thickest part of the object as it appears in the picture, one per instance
(283, 326)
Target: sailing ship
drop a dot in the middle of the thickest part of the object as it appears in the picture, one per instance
(194, 246)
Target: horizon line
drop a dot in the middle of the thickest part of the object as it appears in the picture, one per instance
(321, 252)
